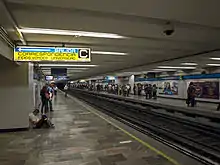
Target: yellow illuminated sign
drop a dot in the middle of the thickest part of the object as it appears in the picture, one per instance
(52, 54)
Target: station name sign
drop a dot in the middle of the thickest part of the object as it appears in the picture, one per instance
(32, 54)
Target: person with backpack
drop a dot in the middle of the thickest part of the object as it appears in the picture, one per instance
(44, 100)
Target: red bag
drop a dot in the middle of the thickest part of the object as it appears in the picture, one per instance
(47, 95)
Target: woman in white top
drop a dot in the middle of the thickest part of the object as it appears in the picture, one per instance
(66, 89)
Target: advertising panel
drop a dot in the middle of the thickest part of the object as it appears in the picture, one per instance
(168, 87)
(207, 89)
(52, 54)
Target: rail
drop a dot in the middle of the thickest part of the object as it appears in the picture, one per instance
(202, 142)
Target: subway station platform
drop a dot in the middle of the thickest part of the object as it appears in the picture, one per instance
(206, 107)
(84, 136)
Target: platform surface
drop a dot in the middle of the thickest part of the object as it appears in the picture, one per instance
(200, 106)
(79, 138)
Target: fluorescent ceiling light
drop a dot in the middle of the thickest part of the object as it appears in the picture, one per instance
(65, 65)
(67, 68)
(109, 53)
(70, 33)
(175, 67)
(213, 64)
(189, 63)
(125, 142)
(214, 58)
(74, 71)
(168, 70)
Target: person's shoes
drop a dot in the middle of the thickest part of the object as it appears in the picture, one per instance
(51, 110)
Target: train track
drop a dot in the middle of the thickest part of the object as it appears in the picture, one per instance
(199, 141)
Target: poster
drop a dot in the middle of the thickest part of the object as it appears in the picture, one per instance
(168, 87)
(207, 89)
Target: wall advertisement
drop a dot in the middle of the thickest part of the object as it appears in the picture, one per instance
(207, 89)
(168, 87)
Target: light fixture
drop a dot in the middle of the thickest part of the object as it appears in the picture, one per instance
(65, 65)
(74, 71)
(189, 63)
(215, 58)
(213, 64)
(109, 53)
(70, 33)
(165, 70)
(67, 68)
(175, 67)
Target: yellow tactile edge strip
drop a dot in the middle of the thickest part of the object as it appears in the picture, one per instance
(129, 134)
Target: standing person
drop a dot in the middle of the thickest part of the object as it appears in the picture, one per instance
(191, 95)
(55, 90)
(66, 89)
(150, 91)
(120, 90)
(146, 90)
(154, 91)
(124, 90)
(128, 89)
(139, 89)
(44, 100)
(134, 89)
(51, 93)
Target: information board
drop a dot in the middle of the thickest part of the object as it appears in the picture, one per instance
(52, 54)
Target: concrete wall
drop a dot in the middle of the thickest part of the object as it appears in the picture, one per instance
(5, 50)
(16, 95)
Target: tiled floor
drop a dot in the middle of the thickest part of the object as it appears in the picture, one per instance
(79, 138)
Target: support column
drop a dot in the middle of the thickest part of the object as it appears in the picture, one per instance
(16, 95)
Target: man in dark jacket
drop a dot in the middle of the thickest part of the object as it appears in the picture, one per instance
(191, 95)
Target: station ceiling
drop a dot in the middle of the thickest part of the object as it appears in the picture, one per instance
(143, 45)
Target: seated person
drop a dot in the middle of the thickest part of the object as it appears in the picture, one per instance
(37, 122)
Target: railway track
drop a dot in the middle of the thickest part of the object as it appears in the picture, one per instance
(199, 141)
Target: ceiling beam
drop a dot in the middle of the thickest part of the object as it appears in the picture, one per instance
(13, 21)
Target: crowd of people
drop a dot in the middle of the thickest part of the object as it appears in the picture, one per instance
(149, 90)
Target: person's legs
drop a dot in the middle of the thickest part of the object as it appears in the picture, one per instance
(39, 124)
(46, 106)
(42, 106)
(50, 105)
(192, 101)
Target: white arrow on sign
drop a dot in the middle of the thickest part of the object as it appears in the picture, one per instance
(35, 49)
